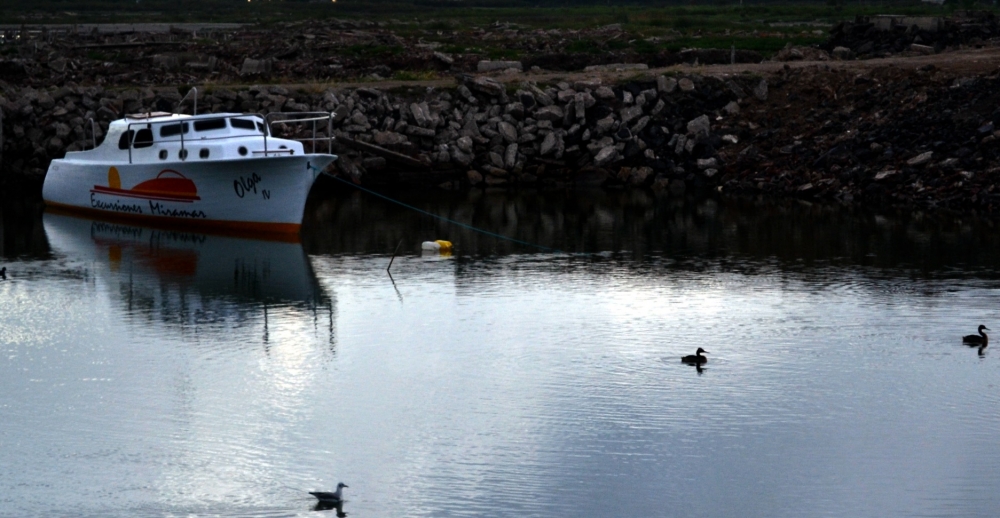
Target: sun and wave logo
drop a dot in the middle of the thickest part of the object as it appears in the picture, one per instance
(169, 185)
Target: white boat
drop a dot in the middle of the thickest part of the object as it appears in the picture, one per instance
(220, 172)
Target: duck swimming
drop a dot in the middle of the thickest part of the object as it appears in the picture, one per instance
(980, 339)
(697, 358)
(325, 496)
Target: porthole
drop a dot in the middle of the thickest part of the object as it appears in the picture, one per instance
(163, 154)
(182, 154)
(291, 151)
(203, 153)
(243, 151)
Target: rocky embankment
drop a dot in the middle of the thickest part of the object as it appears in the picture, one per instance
(910, 136)
(480, 132)
(906, 131)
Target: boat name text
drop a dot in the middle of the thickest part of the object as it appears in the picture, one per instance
(134, 208)
(242, 186)
(156, 209)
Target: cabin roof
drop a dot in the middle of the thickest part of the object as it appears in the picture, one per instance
(164, 116)
(149, 115)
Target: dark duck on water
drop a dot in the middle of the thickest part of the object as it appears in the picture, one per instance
(327, 497)
(697, 358)
(980, 339)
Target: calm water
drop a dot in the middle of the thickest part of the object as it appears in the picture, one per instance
(156, 373)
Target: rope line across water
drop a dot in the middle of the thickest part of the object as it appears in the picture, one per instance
(442, 218)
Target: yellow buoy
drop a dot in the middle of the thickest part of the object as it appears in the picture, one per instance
(440, 246)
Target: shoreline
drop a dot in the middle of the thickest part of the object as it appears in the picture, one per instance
(916, 129)
(810, 131)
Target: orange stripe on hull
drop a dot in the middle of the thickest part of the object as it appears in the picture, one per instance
(283, 232)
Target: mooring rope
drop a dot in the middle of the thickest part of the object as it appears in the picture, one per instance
(442, 218)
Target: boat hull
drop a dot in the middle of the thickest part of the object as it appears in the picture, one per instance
(253, 195)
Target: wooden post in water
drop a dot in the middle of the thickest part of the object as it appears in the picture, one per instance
(393, 256)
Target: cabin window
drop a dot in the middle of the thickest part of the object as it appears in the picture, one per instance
(143, 138)
(170, 130)
(248, 125)
(163, 154)
(209, 124)
(242, 124)
(182, 154)
(203, 153)
(125, 139)
(139, 139)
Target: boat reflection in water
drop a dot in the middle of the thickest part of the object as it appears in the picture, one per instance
(184, 276)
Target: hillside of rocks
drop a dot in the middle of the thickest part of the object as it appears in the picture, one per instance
(921, 137)
(915, 136)
(907, 131)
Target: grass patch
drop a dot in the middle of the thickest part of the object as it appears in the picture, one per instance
(764, 45)
(407, 75)
(646, 47)
(446, 15)
(439, 25)
(583, 46)
(502, 54)
(617, 45)
(659, 20)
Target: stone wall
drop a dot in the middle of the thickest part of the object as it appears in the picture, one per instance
(919, 137)
(480, 132)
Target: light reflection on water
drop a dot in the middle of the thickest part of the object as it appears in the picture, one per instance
(145, 372)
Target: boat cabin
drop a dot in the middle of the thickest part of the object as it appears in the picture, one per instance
(167, 137)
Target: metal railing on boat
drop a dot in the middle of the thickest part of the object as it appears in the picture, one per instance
(315, 139)
(93, 133)
(303, 117)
